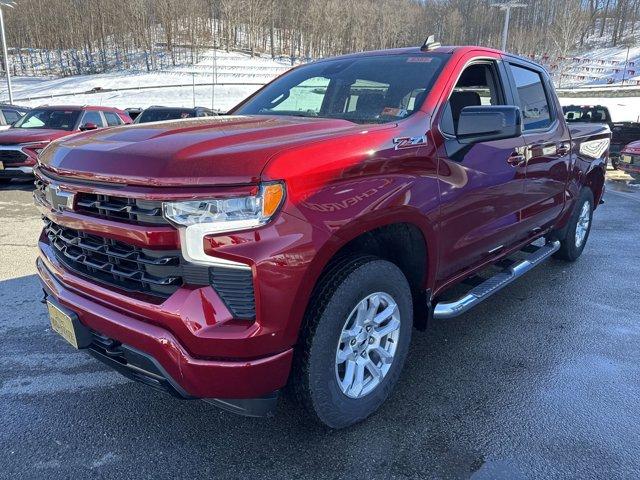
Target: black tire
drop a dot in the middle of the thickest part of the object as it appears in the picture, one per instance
(4, 181)
(314, 382)
(614, 162)
(569, 251)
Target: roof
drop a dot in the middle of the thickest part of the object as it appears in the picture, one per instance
(460, 49)
(78, 107)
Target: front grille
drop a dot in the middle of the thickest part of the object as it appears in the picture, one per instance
(235, 288)
(122, 209)
(12, 157)
(127, 267)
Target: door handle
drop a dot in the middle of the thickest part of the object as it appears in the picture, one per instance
(516, 159)
(563, 149)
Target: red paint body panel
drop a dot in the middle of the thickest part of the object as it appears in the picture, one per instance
(342, 180)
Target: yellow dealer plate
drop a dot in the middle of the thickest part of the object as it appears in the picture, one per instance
(62, 324)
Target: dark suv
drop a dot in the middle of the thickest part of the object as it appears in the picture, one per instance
(162, 114)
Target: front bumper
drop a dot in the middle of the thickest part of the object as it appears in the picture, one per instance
(175, 369)
(629, 167)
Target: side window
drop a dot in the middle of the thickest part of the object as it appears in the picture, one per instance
(112, 119)
(478, 85)
(534, 104)
(92, 116)
(11, 116)
(305, 97)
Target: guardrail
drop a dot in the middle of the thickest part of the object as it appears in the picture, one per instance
(95, 91)
(591, 91)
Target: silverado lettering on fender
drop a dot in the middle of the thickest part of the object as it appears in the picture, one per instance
(299, 239)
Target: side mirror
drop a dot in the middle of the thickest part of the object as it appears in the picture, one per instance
(489, 122)
(88, 126)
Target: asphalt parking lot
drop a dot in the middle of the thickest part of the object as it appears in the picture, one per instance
(542, 381)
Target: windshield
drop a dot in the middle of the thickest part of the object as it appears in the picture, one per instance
(376, 89)
(45, 118)
(162, 114)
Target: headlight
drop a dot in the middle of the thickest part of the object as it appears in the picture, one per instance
(198, 218)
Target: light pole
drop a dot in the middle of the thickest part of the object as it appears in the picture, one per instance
(507, 6)
(10, 4)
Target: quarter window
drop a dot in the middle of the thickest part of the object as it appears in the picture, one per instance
(534, 104)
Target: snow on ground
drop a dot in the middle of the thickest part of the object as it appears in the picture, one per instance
(231, 67)
(601, 66)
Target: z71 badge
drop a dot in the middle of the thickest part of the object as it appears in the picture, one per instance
(408, 142)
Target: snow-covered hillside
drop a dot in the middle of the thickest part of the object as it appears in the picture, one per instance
(232, 67)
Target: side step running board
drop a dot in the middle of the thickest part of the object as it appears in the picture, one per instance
(445, 310)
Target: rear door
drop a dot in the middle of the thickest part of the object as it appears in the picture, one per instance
(481, 185)
(548, 145)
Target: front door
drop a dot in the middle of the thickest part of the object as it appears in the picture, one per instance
(482, 185)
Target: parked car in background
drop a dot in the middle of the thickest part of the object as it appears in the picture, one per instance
(630, 160)
(587, 114)
(10, 114)
(162, 114)
(298, 241)
(622, 133)
(21, 144)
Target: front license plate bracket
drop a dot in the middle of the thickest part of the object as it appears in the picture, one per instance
(68, 325)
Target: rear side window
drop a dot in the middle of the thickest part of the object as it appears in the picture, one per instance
(534, 104)
(92, 116)
(112, 119)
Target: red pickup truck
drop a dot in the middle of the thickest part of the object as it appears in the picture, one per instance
(21, 144)
(630, 160)
(297, 241)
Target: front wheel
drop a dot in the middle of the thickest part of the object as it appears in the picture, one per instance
(356, 339)
(614, 162)
(579, 227)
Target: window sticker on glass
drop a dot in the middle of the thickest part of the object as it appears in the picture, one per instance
(419, 59)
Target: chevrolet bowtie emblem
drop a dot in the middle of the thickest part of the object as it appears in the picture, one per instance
(59, 199)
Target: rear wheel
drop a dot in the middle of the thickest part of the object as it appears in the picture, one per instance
(355, 342)
(578, 229)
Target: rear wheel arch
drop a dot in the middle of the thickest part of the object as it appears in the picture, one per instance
(594, 179)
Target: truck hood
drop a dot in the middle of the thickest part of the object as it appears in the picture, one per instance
(14, 136)
(226, 150)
